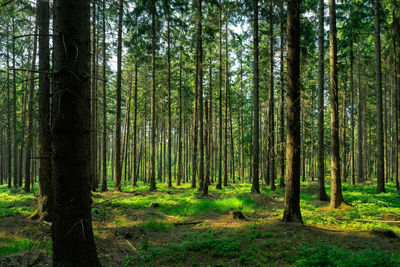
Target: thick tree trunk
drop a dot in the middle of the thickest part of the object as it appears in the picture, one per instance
(72, 234)
(293, 143)
(255, 188)
(321, 69)
(336, 184)
(9, 152)
(379, 127)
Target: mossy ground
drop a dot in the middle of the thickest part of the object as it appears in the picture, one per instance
(187, 230)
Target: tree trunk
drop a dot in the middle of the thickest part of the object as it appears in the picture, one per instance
(9, 152)
(336, 185)
(180, 167)
(153, 100)
(255, 188)
(226, 104)
(293, 143)
(219, 184)
(379, 127)
(134, 154)
(30, 115)
(118, 162)
(45, 199)
(72, 234)
(104, 180)
(321, 68)
(352, 174)
(169, 98)
(344, 123)
(282, 106)
(271, 106)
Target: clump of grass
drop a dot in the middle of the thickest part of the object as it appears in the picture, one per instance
(330, 256)
(157, 226)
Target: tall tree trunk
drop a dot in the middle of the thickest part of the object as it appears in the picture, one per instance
(344, 123)
(93, 103)
(206, 140)
(23, 122)
(118, 162)
(134, 154)
(15, 144)
(9, 152)
(226, 104)
(200, 94)
(219, 184)
(153, 100)
(72, 234)
(293, 143)
(396, 38)
(321, 69)
(255, 188)
(180, 167)
(104, 180)
(169, 98)
(379, 127)
(30, 114)
(271, 106)
(282, 106)
(210, 130)
(360, 130)
(352, 170)
(45, 199)
(336, 184)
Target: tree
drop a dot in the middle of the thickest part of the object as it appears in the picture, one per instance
(45, 199)
(219, 184)
(153, 99)
(255, 188)
(321, 67)
(72, 234)
(379, 121)
(271, 105)
(293, 142)
(118, 162)
(200, 88)
(336, 186)
(104, 180)
(30, 115)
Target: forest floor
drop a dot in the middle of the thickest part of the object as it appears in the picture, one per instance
(186, 230)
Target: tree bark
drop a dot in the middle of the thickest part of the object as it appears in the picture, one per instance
(72, 234)
(118, 162)
(45, 199)
(153, 100)
(293, 143)
(104, 180)
(30, 114)
(219, 184)
(336, 185)
(379, 127)
(321, 69)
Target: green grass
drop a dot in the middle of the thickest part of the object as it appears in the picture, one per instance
(15, 202)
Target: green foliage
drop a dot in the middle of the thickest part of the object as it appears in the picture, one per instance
(156, 226)
(329, 256)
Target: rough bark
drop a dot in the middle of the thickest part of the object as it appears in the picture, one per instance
(336, 184)
(45, 199)
(72, 234)
(380, 157)
(293, 142)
